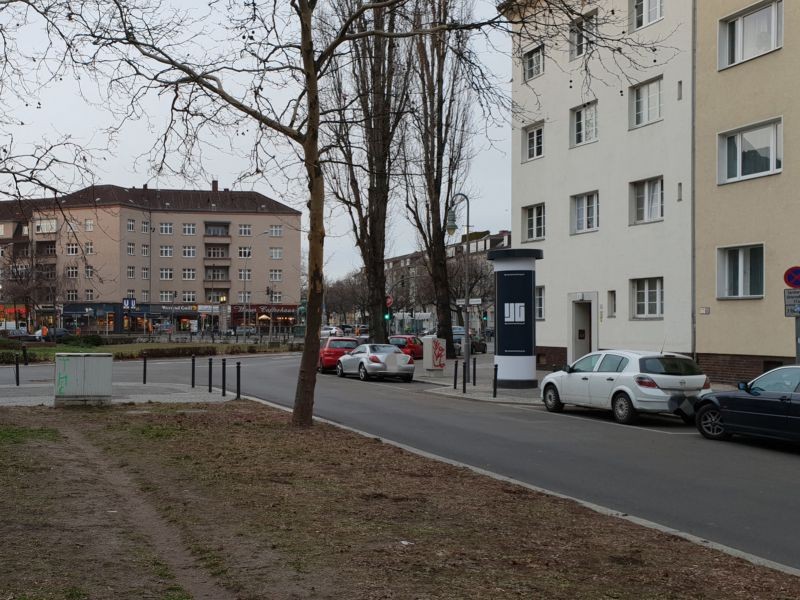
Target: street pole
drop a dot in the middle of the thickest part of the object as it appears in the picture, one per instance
(467, 344)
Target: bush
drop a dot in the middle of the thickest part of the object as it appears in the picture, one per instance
(156, 352)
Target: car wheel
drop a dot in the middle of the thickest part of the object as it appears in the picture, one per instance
(552, 402)
(362, 373)
(709, 423)
(623, 409)
(339, 369)
(687, 419)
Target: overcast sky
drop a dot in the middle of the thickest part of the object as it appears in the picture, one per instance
(64, 111)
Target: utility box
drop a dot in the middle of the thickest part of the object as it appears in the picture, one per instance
(434, 355)
(83, 378)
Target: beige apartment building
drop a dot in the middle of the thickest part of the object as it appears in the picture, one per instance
(747, 178)
(109, 258)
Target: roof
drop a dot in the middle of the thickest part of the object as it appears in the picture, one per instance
(145, 198)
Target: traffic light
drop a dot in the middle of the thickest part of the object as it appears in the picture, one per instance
(485, 316)
(386, 314)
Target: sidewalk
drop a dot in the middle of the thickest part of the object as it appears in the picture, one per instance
(36, 394)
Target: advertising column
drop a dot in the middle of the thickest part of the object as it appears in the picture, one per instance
(515, 321)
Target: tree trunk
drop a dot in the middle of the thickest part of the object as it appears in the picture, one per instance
(376, 278)
(438, 268)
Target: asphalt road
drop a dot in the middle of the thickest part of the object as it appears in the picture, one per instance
(742, 494)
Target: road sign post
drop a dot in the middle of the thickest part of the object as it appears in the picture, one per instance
(791, 305)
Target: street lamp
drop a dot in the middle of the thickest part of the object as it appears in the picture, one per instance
(451, 229)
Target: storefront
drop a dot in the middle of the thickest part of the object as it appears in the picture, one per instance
(275, 319)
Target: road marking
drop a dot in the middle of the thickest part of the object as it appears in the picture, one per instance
(603, 510)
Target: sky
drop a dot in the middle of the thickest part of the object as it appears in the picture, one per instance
(63, 110)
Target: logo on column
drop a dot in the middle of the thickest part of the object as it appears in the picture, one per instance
(514, 312)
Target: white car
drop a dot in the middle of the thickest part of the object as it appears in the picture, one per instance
(330, 331)
(628, 382)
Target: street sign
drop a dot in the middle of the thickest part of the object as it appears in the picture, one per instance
(459, 302)
(129, 303)
(792, 311)
(389, 301)
(792, 277)
(475, 302)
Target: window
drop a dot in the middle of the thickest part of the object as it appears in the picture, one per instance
(217, 230)
(782, 381)
(534, 141)
(165, 228)
(145, 249)
(73, 249)
(131, 272)
(534, 222)
(145, 272)
(276, 297)
(740, 272)
(131, 249)
(245, 230)
(216, 252)
(145, 226)
(751, 34)
(217, 274)
(72, 295)
(580, 36)
(46, 226)
(646, 12)
(612, 363)
(533, 63)
(538, 303)
(586, 212)
(244, 274)
(88, 271)
(145, 296)
(165, 251)
(165, 273)
(213, 296)
(189, 251)
(88, 247)
(166, 296)
(189, 296)
(71, 272)
(648, 298)
(586, 364)
(649, 200)
(245, 251)
(130, 294)
(244, 297)
(611, 308)
(646, 100)
(751, 152)
(584, 124)
(276, 275)
(131, 225)
(276, 230)
(89, 295)
(276, 253)
(88, 225)
(189, 229)
(189, 274)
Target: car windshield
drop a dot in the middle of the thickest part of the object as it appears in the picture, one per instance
(398, 341)
(343, 344)
(668, 365)
(383, 348)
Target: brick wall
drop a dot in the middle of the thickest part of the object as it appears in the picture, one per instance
(547, 356)
(733, 368)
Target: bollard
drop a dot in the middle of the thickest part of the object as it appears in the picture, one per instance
(25, 354)
(455, 375)
(238, 380)
(16, 368)
(223, 376)
(494, 383)
(144, 370)
(464, 379)
(474, 369)
(210, 371)
(193, 370)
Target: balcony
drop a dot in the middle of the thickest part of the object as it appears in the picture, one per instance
(217, 261)
(217, 238)
(216, 283)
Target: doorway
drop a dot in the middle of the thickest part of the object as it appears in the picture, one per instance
(581, 329)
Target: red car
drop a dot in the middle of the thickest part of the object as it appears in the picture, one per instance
(331, 348)
(409, 344)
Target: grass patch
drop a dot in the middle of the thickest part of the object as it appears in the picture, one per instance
(156, 432)
(10, 434)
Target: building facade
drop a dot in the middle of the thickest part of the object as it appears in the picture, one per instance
(601, 182)
(115, 259)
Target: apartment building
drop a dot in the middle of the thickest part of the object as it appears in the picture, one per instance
(601, 181)
(748, 56)
(116, 259)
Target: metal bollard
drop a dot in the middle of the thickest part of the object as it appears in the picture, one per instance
(474, 369)
(238, 380)
(210, 373)
(16, 368)
(223, 376)
(455, 375)
(193, 370)
(494, 383)
(144, 370)
(464, 379)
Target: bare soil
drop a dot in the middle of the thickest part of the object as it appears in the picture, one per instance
(229, 501)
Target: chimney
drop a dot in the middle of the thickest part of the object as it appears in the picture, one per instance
(144, 187)
(214, 185)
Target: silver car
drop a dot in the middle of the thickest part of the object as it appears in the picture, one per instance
(376, 360)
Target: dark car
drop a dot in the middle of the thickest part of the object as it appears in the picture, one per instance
(768, 406)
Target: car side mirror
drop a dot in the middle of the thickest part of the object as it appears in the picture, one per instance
(566, 369)
(743, 386)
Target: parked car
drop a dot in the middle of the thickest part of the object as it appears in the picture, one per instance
(628, 382)
(53, 333)
(477, 344)
(408, 344)
(330, 330)
(331, 349)
(376, 360)
(767, 406)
